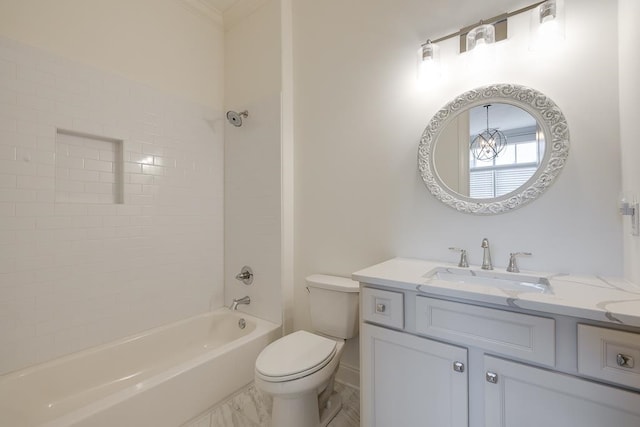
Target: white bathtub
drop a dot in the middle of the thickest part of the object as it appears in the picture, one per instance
(162, 377)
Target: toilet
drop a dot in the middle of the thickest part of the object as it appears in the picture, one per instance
(298, 370)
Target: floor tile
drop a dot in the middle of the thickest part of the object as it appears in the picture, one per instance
(249, 408)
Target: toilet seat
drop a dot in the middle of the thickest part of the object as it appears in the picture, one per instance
(294, 356)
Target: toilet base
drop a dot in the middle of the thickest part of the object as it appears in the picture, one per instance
(334, 404)
(303, 411)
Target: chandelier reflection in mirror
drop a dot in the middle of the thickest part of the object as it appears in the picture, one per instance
(489, 143)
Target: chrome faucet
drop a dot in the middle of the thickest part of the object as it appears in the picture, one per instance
(237, 301)
(486, 257)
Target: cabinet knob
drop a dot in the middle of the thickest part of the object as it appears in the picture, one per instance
(492, 377)
(381, 308)
(624, 360)
(458, 366)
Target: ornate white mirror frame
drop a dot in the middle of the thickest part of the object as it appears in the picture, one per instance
(551, 121)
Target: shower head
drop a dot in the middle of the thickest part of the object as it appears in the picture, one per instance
(236, 118)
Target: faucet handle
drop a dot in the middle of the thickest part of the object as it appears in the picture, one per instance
(463, 257)
(245, 275)
(513, 265)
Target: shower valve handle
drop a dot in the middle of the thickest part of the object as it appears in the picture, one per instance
(245, 275)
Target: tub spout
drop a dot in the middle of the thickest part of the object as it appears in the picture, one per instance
(237, 301)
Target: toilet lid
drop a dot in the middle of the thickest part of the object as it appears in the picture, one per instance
(294, 356)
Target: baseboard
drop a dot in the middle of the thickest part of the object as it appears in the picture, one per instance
(348, 375)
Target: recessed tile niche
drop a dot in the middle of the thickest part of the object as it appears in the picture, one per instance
(89, 168)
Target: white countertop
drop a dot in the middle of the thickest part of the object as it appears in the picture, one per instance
(589, 297)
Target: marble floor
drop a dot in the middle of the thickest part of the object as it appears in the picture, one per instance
(248, 408)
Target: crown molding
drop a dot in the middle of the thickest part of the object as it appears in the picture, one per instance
(240, 10)
(206, 9)
(228, 18)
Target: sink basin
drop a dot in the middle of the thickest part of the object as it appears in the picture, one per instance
(507, 281)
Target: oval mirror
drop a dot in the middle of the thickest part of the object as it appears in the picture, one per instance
(493, 149)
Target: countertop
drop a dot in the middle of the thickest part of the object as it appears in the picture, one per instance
(613, 300)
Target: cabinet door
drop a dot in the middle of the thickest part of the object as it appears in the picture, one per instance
(524, 396)
(409, 381)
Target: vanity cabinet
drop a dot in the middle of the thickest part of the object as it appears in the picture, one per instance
(411, 381)
(430, 361)
(518, 395)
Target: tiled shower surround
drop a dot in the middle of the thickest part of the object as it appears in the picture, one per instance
(85, 259)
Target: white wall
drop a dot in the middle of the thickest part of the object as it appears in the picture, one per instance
(73, 275)
(628, 31)
(162, 43)
(359, 117)
(253, 161)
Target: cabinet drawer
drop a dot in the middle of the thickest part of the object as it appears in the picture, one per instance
(382, 307)
(609, 355)
(530, 338)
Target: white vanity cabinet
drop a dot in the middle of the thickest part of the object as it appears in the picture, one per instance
(411, 381)
(518, 395)
(431, 361)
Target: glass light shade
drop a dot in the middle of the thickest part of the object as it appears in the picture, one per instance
(547, 26)
(547, 11)
(429, 61)
(482, 34)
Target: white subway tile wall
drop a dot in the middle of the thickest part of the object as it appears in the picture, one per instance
(84, 258)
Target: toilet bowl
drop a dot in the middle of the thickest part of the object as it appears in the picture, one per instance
(307, 367)
(299, 369)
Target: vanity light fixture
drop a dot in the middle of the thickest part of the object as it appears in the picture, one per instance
(489, 143)
(487, 31)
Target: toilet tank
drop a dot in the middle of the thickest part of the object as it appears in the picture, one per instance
(334, 305)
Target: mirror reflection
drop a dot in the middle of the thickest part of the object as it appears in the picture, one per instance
(489, 150)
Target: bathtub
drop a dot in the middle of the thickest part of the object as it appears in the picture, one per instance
(162, 377)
